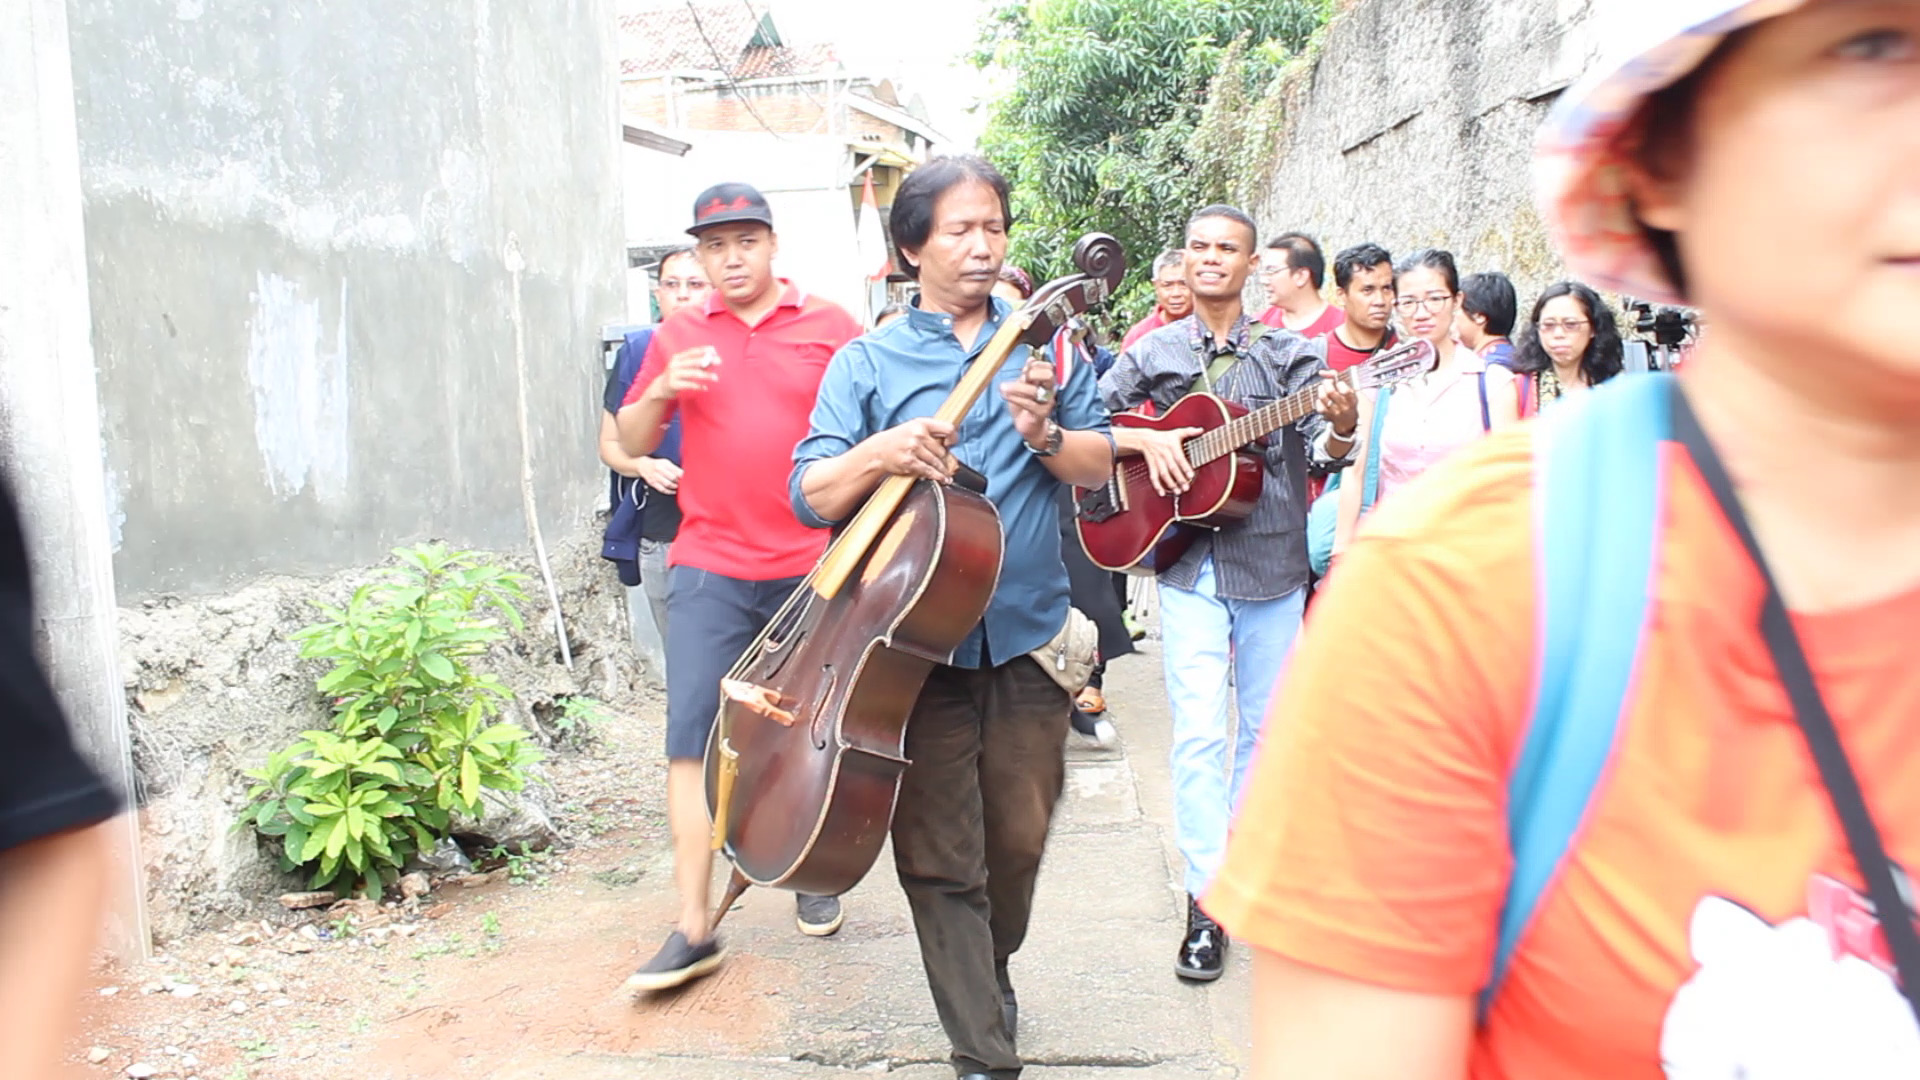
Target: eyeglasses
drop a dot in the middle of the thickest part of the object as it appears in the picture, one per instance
(1564, 326)
(1432, 302)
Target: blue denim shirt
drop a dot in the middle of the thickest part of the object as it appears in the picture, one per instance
(904, 371)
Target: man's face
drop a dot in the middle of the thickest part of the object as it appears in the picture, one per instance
(682, 284)
(1282, 281)
(1368, 297)
(738, 260)
(960, 262)
(1470, 328)
(1171, 291)
(1219, 257)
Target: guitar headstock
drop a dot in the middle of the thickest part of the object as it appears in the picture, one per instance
(1396, 365)
(1102, 265)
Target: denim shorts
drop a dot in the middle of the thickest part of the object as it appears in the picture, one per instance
(714, 619)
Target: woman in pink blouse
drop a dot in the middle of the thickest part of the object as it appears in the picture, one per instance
(1459, 400)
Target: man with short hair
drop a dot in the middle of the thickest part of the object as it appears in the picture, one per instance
(987, 735)
(741, 373)
(1230, 607)
(1488, 309)
(1173, 298)
(1294, 271)
(1363, 277)
(649, 483)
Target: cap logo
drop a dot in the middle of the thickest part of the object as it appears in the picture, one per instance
(716, 206)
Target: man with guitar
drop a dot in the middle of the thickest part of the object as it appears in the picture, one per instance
(741, 372)
(1235, 597)
(987, 733)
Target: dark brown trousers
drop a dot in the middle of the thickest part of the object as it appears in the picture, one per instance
(988, 753)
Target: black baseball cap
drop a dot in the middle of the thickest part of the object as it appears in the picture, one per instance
(724, 204)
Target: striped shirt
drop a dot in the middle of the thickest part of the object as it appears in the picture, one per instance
(1265, 556)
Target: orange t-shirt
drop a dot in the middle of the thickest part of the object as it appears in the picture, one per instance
(1700, 918)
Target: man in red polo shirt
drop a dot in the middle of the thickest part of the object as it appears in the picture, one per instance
(1172, 295)
(1294, 271)
(742, 372)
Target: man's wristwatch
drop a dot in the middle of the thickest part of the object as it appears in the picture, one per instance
(1054, 437)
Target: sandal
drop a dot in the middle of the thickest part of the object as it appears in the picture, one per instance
(1091, 701)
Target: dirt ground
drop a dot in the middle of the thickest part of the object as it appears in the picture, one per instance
(525, 956)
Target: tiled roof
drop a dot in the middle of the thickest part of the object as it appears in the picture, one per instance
(735, 36)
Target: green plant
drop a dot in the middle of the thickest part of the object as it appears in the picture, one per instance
(523, 866)
(575, 717)
(414, 740)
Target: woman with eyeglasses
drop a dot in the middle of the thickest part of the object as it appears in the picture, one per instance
(1572, 343)
(1457, 402)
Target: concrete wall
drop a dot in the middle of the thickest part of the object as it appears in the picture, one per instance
(1414, 129)
(297, 217)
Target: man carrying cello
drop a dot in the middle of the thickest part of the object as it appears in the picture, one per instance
(987, 735)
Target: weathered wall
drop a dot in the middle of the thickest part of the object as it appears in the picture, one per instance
(297, 217)
(1414, 128)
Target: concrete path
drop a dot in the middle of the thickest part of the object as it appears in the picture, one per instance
(1097, 992)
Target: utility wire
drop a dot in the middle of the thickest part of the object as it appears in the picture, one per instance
(726, 69)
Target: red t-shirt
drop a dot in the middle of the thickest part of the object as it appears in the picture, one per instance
(1330, 318)
(1144, 327)
(1341, 356)
(737, 437)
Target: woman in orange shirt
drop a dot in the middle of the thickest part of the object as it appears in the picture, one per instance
(1708, 919)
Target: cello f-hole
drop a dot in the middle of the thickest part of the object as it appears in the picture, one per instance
(817, 731)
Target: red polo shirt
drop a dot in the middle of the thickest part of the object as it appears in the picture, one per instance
(1330, 319)
(1144, 327)
(737, 436)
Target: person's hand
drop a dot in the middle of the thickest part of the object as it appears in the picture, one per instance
(688, 372)
(1030, 399)
(1166, 454)
(916, 448)
(660, 474)
(1340, 404)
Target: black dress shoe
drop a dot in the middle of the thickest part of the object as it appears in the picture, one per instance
(1009, 1006)
(1203, 952)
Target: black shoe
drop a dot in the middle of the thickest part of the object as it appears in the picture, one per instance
(817, 916)
(1203, 952)
(1009, 1005)
(678, 961)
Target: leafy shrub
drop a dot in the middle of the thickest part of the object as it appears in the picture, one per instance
(414, 739)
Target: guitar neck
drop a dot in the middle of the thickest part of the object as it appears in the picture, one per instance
(1236, 433)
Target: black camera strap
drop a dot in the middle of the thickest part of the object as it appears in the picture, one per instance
(1887, 884)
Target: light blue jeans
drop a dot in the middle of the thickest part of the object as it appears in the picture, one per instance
(1201, 635)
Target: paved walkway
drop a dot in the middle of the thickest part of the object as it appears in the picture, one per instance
(1097, 992)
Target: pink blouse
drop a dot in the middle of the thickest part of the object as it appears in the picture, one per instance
(1433, 416)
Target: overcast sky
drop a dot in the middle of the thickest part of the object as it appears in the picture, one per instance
(921, 45)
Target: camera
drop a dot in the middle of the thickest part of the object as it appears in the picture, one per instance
(1666, 326)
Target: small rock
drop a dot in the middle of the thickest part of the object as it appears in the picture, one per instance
(238, 1007)
(98, 1054)
(236, 957)
(414, 885)
(140, 1070)
(438, 911)
(109, 991)
(281, 1003)
(171, 1051)
(310, 932)
(183, 990)
(445, 858)
(296, 901)
(407, 929)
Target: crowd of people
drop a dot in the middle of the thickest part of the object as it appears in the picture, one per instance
(1596, 756)
(1548, 775)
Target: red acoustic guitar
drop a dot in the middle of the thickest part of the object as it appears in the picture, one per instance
(1126, 525)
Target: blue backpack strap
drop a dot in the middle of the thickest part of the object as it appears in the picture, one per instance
(1598, 495)
(1486, 413)
(1370, 482)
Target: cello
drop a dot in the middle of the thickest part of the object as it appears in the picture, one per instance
(804, 759)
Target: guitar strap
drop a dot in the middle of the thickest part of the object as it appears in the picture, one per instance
(1222, 363)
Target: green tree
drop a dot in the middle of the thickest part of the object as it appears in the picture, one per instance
(1105, 124)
